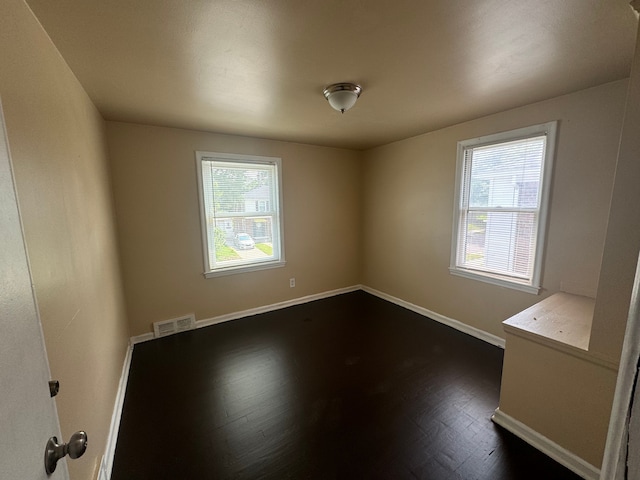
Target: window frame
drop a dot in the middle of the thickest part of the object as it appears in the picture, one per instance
(277, 229)
(532, 285)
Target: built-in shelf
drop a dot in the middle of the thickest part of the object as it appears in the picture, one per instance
(562, 322)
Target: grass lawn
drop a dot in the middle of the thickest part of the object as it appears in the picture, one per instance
(263, 247)
(226, 253)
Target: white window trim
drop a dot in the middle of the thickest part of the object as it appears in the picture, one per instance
(252, 265)
(534, 286)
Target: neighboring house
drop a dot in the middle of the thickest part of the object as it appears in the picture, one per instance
(491, 232)
(258, 225)
(257, 200)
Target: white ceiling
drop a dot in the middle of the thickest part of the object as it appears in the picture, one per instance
(258, 67)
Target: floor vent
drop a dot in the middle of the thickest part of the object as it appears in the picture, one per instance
(175, 325)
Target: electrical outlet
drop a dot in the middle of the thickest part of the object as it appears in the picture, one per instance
(292, 282)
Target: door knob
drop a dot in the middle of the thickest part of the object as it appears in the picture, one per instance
(54, 451)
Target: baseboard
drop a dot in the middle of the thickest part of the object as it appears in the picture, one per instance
(106, 465)
(145, 337)
(275, 306)
(206, 322)
(102, 471)
(462, 327)
(546, 446)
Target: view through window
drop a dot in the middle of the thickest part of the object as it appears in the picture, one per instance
(501, 202)
(240, 212)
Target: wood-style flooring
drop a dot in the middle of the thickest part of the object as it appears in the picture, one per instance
(349, 387)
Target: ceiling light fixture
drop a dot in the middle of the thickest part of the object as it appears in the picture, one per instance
(342, 96)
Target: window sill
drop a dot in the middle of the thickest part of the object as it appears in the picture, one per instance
(244, 269)
(494, 280)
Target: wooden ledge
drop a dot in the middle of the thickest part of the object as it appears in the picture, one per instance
(563, 317)
(562, 322)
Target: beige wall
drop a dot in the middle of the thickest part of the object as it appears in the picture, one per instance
(623, 232)
(408, 190)
(58, 148)
(560, 396)
(155, 189)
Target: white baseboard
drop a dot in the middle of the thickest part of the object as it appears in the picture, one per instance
(275, 306)
(106, 465)
(205, 322)
(546, 446)
(102, 471)
(462, 327)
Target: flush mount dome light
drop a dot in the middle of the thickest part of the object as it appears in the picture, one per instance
(342, 96)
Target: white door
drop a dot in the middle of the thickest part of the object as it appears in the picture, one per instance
(27, 412)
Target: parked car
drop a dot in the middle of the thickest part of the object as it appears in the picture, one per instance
(244, 241)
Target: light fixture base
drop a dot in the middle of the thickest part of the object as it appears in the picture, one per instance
(342, 96)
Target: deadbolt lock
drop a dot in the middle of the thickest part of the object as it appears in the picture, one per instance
(54, 387)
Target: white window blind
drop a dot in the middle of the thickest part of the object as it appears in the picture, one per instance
(500, 206)
(240, 212)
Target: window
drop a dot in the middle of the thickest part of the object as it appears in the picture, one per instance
(240, 207)
(502, 191)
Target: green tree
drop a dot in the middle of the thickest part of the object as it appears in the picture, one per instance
(219, 238)
(479, 194)
(231, 184)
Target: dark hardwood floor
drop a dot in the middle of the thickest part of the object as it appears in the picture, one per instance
(350, 387)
